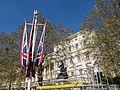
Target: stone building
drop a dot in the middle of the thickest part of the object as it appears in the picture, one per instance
(76, 52)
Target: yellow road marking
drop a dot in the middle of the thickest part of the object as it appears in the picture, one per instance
(60, 86)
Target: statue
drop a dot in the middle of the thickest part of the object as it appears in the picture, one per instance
(63, 72)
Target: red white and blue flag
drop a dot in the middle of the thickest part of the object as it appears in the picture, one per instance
(30, 71)
(24, 49)
(38, 60)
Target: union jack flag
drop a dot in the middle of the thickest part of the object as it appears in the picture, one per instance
(30, 70)
(40, 48)
(24, 49)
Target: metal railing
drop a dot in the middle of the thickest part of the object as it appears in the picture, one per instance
(86, 76)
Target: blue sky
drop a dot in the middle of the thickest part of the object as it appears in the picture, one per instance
(68, 12)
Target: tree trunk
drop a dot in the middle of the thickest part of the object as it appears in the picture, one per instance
(10, 79)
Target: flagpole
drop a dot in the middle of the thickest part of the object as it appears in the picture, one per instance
(41, 77)
(33, 46)
(40, 80)
(29, 82)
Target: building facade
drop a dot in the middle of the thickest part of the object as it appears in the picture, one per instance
(78, 56)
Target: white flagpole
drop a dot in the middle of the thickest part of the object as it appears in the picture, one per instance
(34, 34)
(29, 83)
(33, 46)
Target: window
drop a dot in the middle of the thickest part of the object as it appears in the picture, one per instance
(57, 64)
(80, 71)
(87, 56)
(47, 68)
(46, 75)
(78, 58)
(69, 48)
(69, 42)
(71, 60)
(72, 73)
(51, 66)
(76, 46)
(75, 39)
